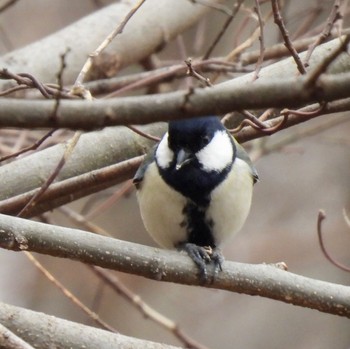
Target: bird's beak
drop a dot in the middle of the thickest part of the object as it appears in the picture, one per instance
(183, 158)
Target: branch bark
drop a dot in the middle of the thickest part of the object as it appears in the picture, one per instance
(275, 88)
(138, 41)
(45, 331)
(259, 280)
(94, 150)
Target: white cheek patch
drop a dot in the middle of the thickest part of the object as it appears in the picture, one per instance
(164, 154)
(218, 154)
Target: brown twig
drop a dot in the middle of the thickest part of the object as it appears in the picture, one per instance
(127, 187)
(257, 124)
(255, 121)
(70, 147)
(143, 134)
(293, 137)
(30, 147)
(332, 18)
(238, 50)
(261, 40)
(68, 293)
(315, 112)
(148, 312)
(228, 21)
(279, 21)
(118, 30)
(192, 72)
(320, 219)
(13, 89)
(26, 80)
(164, 74)
(289, 118)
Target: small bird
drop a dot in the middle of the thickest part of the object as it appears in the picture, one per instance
(195, 189)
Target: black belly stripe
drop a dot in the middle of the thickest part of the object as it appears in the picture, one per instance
(199, 229)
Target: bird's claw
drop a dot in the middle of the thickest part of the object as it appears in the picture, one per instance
(203, 255)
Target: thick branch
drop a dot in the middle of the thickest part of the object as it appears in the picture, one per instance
(44, 331)
(42, 58)
(94, 150)
(289, 92)
(74, 188)
(259, 280)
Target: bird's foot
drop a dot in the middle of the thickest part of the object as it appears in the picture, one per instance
(202, 256)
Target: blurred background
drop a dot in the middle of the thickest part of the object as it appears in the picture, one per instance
(297, 180)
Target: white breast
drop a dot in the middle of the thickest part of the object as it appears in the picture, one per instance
(230, 202)
(161, 209)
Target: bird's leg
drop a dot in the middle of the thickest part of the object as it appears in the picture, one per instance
(201, 256)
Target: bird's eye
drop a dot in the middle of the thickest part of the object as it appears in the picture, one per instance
(205, 139)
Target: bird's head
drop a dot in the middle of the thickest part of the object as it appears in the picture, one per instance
(202, 143)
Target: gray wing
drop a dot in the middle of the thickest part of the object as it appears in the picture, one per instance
(137, 180)
(243, 155)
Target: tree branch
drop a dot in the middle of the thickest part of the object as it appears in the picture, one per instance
(290, 92)
(42, 58)
(9, 340)
(74, 188)
(44, 331)
(115, 144)
(269, 91)
(259, 280)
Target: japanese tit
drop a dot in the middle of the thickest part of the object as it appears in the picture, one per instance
(195, 189)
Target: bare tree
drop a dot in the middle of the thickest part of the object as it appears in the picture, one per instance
(76, 124)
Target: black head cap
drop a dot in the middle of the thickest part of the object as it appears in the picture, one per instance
(193, 134)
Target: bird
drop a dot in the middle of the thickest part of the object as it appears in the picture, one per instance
(194, 190)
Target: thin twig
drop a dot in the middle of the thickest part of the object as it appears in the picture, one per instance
(68, 293)
(176, 71)
(228, 21)
(143, 134)
(118, 30)
(192, 72)
(261, 40)
(67, 153)
(248, 42)
(30, 147)
(26, 81)
(145, 309)
(332, 18)
(320, 219)
(293, 137)
(248, 115)
(279, 21)
(125, 188)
